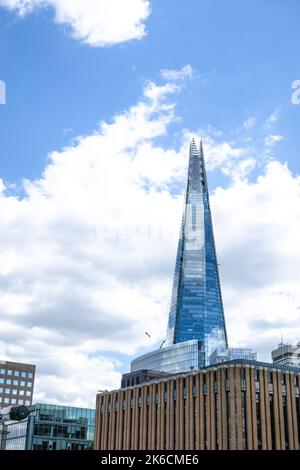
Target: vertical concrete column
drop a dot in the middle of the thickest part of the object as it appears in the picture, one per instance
(294, 410)
(181, 414)
(152, 418)
(219, 424)
(105, 424)
(212, 400)
(262, 410)
(249, 428)
(98, 423)
(280, 407)
(232, 407)
(267, 410)
(134, 424)
(127, 422)
(143, 423)
(276, 412)
(169, 421)
(239, 415)
(112, 424)
(197, 413)
(189, 415)
(289, 411)
(160, 417)
(207, 412)
(253, 406)
(118, 420)
(224, 418)
(202, 412)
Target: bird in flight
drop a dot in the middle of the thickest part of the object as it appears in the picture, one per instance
(146, 333)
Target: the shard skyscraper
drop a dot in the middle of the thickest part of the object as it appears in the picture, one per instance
(196, 326)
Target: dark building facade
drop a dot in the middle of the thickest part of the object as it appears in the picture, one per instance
(141, 376)
(16, 383)
(235, 405)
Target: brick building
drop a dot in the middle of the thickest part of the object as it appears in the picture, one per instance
(235, 405)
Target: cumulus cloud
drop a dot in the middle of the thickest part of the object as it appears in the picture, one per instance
(95, 22)
(181, 74)
(273, 118)
(272, 139)
(258, 230)
(250, 122)
(87, 254)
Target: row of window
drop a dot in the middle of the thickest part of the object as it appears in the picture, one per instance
(17, 383)
(14, 391)
(16, 373)
(14, 401)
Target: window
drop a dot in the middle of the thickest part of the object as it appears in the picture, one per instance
(22, 383)
(2, 372)
(13, 401)
(6, 400)
(28, 393)
(30, 375)
(27, 402)
(8, 381)
(20, 402)
(16, 373)
(7, 390)
(1, 389)
(16, 382)
(1, 399)
(29, 384)
(1, 381)
(9, 372)
(21, 393)
(14, 392)
(23, 374)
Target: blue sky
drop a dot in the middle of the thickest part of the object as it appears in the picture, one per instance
(99, 110)
(246, 50)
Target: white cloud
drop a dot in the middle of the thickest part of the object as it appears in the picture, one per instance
(87, 256)
(257, 231)
(272, 139)
(273, 118)
(181, 74)
(95, 22)
(250, 122)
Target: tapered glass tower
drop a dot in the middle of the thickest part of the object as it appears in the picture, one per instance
(196, 326)
(196, 307)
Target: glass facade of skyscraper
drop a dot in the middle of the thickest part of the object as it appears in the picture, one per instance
(179, 357)
(196, 307)
(196, 312)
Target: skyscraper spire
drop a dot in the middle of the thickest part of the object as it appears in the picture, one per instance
(196, 310)
(196, 326)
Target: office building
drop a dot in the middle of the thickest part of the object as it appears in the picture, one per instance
(52, 427)
(286, 354)
(196, 326)
(240, 404)
(16, 383)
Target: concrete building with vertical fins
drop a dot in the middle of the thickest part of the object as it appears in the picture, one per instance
(239, 405)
